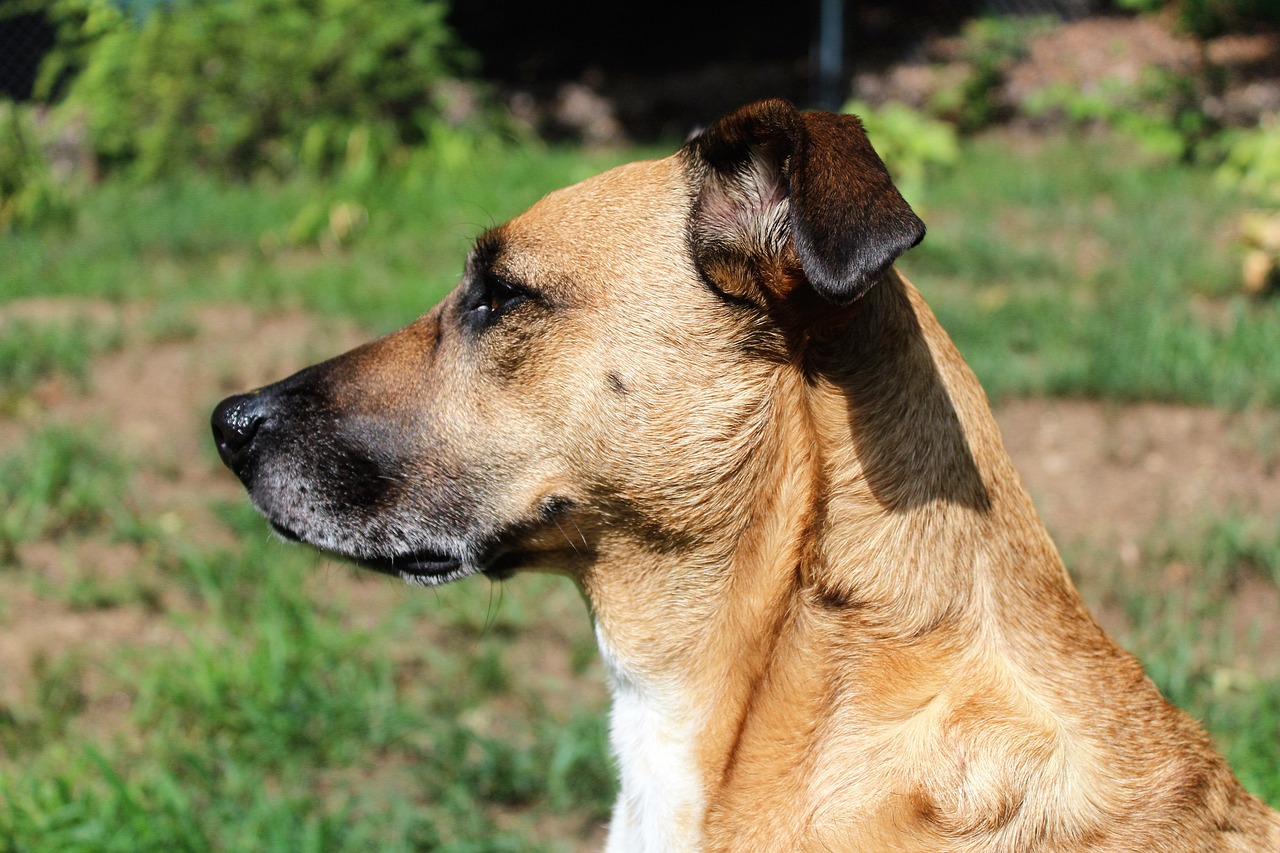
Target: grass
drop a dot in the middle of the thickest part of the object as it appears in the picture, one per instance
(33, 351)
(1078, 269)
(1183, 606)
(271, 723)
(198, 239)
(275, 704)
(63, 481)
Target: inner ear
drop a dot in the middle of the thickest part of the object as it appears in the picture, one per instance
(785, 197)
(740, 228)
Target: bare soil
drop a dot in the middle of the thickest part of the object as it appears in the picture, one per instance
(1103, 476)
(1236, 77)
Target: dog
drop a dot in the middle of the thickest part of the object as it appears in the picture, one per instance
(831, 617)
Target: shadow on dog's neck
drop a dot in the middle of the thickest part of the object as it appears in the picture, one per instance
(902, 422)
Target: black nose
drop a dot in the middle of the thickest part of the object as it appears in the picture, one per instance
(235, 422)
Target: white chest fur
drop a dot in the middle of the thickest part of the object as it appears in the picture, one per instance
(653, 730)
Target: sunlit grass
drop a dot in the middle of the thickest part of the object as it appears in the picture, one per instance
(200, 239)
(273, 723)
(1190, 624)
(64, 480)
(1076, 268)
(32, 351)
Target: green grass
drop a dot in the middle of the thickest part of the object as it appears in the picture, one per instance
(273, 724)
(1187, 622)
(33, 351)
(1079, 269)
(62, 482)
(199, 239)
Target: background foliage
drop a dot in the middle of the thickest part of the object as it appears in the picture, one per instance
(233, 86)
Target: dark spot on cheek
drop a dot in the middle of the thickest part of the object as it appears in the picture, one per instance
(831, 598)
(616, 385)
(925, 809)
(357, 477)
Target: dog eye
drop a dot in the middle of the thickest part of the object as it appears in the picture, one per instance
(492, 297)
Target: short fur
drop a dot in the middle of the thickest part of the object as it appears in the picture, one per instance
(831, 615)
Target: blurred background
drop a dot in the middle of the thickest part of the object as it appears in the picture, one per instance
(200, 197)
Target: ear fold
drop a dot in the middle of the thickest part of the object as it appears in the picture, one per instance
(778, 188)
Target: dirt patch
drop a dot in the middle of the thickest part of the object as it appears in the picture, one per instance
(1110, 474)
(1111, 480)
(1236, 78)
(1083, 55)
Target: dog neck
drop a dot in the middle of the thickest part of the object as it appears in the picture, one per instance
(869, 603)
(704, 652)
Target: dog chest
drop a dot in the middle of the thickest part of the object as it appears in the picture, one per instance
(652, 731)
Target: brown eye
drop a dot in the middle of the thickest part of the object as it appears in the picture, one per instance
(501, 295)
(492, 297)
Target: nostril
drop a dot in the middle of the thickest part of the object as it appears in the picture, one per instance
(235, 422)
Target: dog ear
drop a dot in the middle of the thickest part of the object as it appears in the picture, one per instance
(779, 189)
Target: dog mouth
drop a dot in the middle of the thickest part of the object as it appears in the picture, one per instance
(497, 554)
(423, 566)
(427, 566)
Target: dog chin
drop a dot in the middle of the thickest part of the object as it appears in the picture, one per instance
(428, 566)
(424, 569)
(418, 557)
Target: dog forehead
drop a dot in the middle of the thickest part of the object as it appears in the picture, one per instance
(635, 215)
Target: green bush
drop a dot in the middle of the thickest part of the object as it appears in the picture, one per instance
(29, 194)
(990, 46)
(1251, 167)
(1252, 161)
(238, 86)
(1162, 111)
(1206, 18)
(909, 142)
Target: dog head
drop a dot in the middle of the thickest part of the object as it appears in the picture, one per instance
(600, 380)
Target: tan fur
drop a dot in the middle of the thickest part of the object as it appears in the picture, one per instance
(800, 527)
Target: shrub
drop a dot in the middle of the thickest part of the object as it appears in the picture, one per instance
(990, 46)
(235, 86)
(909, 142)
(30, 196)
(1207, 18)
(1252, 161)
(1251, 167)
(1162, 111)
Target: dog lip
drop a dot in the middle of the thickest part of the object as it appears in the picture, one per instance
(504, 565)
(284, 532)
(429, 566)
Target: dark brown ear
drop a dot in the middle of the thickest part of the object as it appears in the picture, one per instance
(778, 187)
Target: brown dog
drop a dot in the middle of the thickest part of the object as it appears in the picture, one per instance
(831, 615)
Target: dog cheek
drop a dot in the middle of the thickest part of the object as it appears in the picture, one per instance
(369, 480)
(331, 479)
